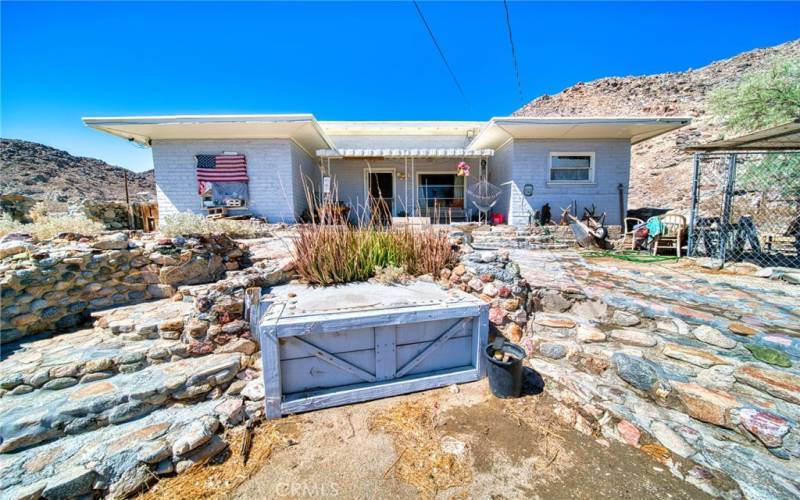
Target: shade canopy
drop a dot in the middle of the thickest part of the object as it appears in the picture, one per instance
(785, 137)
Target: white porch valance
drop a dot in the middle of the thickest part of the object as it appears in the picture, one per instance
(404, 153)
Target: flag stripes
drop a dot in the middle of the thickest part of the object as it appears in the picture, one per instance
(221, 168)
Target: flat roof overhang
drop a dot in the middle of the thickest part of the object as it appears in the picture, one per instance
(400, 128)
(784, 137)
(301, 128)
(635, 129)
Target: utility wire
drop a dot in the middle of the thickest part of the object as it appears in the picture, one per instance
(441, 52)
(513, 51)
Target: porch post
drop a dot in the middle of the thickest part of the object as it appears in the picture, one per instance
(413, 188)
(693, 210)
(727, 205)
(408, 209)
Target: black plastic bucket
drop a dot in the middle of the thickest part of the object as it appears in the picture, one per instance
(505, 377)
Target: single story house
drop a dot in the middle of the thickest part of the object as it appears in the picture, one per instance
(270, 165)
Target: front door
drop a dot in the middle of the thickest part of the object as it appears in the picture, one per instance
(380, 191)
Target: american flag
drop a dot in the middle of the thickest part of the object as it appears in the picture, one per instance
(220, 168)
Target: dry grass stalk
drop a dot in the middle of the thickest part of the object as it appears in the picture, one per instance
(218, 480)
(421, 461)
(330, 254)
(49, 226)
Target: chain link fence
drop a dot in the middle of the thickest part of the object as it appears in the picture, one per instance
(746, 208)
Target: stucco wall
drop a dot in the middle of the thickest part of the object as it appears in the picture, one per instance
(269, 166)
(530, 166)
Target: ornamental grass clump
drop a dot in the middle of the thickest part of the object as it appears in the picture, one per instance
(331, 254)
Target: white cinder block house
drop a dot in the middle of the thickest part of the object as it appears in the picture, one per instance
(412, 166)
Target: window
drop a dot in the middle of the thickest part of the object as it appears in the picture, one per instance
(440, 190)
(571, 168)
(222, 180)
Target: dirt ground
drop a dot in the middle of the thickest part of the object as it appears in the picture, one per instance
(453, 444)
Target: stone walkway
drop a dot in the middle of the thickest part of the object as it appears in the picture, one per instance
(113, 406)
(702, 365)
(125, 339)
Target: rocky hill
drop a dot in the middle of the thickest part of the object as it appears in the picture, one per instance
(45, 173)
(661, 171)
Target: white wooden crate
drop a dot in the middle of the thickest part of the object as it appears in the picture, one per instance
(328, 346)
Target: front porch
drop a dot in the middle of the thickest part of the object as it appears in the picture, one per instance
(404, 183)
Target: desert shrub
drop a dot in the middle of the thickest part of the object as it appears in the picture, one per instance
(326, 254)
(189, 223)
(38, 212)
(761, 98)
(46, 227)
(9, 225)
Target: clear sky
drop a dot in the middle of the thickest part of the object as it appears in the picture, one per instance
(349, 61)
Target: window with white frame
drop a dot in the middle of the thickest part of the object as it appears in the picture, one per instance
(571, 168)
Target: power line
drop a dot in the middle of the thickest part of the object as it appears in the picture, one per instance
(441, 52)
(513, 51)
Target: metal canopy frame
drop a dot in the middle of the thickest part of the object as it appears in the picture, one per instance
(784, 137)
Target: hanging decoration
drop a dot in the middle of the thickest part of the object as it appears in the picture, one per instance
(463, 169)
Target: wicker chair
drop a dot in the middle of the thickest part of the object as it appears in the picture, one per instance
(673, 234)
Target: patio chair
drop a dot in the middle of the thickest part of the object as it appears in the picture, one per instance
(673, 234)
(629, 225)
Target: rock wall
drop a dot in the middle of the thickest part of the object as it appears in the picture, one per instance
(112, 214)
(493, 277)
(532, 237)
(16, 206)
(55, 285)
(218, 321)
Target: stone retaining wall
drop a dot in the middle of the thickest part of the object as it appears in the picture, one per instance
(112, 214)
(493, 277)
(551, 236)
(54, 285)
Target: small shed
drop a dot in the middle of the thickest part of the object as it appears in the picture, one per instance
(329, 346)
(746, 198)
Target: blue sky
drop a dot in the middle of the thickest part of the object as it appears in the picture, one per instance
(340, 61)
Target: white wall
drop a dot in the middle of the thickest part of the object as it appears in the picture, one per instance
(305, 175)
(530, 166)
(500, 174)
(269, 166)
(276, 166)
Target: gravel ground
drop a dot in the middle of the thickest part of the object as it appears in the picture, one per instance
(510, 448)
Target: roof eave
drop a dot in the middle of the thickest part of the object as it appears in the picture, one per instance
(111, 125)
(501, 126)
